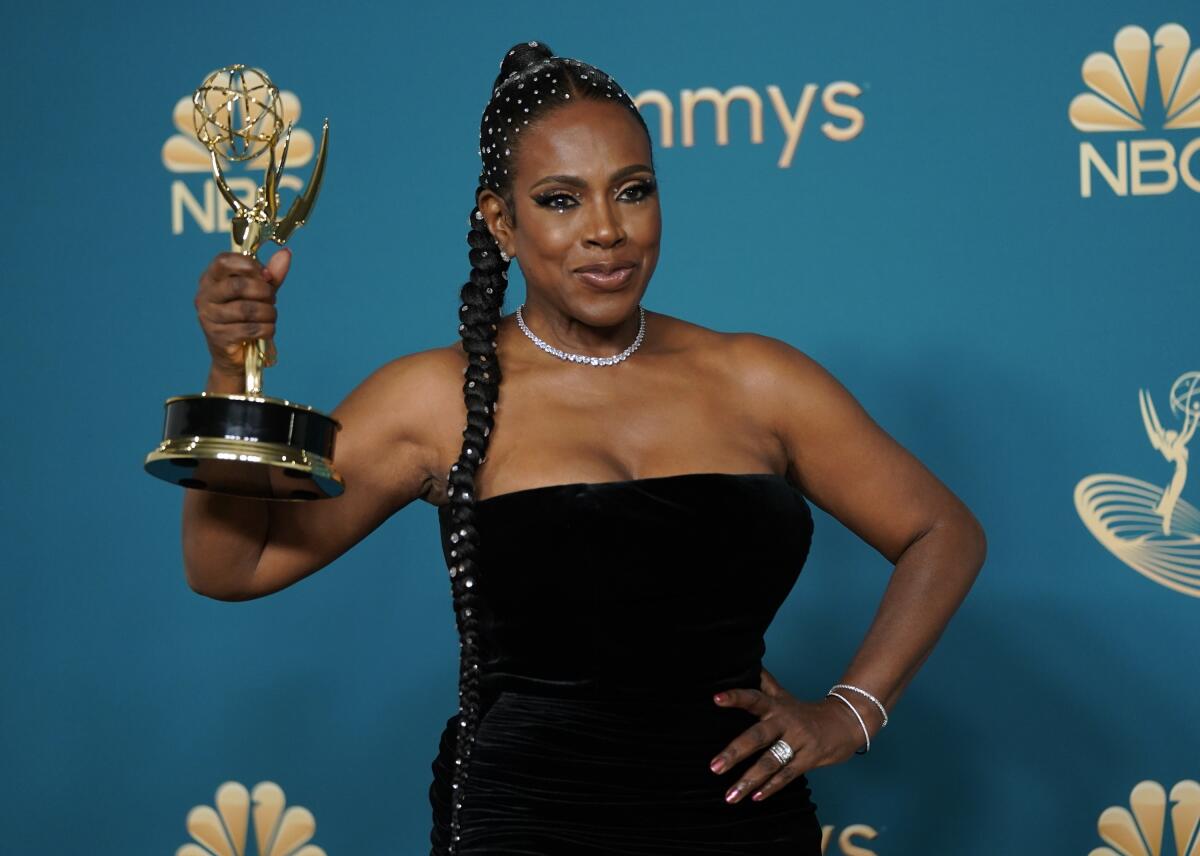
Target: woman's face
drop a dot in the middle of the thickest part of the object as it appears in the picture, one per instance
(587, 216)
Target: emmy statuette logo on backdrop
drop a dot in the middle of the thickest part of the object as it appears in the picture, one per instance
(224, 831)
(1152, 529)
(1118, 103)
(1139, 829)
(250, 444)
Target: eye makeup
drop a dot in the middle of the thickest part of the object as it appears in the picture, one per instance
(561, 200)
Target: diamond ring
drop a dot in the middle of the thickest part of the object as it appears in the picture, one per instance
(782, 752)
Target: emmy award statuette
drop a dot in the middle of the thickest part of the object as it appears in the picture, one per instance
(249, 444)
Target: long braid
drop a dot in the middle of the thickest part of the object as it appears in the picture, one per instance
(482, 297)
(531, 83)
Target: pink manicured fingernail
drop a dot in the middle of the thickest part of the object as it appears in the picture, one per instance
(717, 765)
(731, 796)
(758, 795)
(719, 698)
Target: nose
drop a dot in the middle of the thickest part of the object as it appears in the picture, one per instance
(604, 228)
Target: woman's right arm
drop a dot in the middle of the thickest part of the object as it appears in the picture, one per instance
(237, 548)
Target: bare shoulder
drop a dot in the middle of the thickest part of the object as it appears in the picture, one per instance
(416, 376)
(794, 394)
(409, 401)
(767, 373)
(770, 368)
(799, 395)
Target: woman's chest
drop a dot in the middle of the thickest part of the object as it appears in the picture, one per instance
(548, 437)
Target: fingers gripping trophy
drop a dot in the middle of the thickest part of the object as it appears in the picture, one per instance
(250, 444)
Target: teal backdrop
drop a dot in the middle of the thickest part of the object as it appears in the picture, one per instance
(937, 254)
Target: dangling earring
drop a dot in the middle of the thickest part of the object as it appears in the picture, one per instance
(506, 256)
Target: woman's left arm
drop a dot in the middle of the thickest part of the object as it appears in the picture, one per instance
(851, 468)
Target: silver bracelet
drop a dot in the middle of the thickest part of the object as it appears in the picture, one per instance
(868, 695)
(857, 716)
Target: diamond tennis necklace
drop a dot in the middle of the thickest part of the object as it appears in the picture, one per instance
(584, 358)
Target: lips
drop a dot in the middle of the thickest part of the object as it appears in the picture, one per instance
(604, 267)
(606, 276)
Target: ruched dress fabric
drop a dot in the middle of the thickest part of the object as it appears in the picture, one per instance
(611, 614)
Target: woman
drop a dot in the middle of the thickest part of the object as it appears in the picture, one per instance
(640, 517)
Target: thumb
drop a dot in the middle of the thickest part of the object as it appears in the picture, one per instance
(277, 267)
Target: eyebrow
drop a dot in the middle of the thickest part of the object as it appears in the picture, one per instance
(576, 181)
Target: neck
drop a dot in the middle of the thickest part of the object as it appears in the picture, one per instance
(599, 337)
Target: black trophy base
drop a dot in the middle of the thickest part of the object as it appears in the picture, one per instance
(244, 445)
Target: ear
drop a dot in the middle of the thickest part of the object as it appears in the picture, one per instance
(499, 220)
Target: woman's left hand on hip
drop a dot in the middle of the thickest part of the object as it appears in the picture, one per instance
(819, 734)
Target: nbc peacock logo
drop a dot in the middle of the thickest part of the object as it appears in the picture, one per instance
(1118, 102)
(1152, 529)
(224, 831)
(1139, 830)
(199, 203)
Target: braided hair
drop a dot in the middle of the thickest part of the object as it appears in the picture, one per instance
(532, 83)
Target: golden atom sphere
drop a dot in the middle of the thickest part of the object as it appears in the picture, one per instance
(237, 112)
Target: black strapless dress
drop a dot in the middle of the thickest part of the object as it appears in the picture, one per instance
(613, 612)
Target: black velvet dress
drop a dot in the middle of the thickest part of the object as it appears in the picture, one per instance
(613, 611)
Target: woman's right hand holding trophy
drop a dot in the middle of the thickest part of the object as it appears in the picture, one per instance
(235, 305)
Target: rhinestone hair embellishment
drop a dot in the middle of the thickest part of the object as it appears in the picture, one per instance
(503, 94)
(585, 358)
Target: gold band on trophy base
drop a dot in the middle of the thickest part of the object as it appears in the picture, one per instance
(256, 446)
(251, 444)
